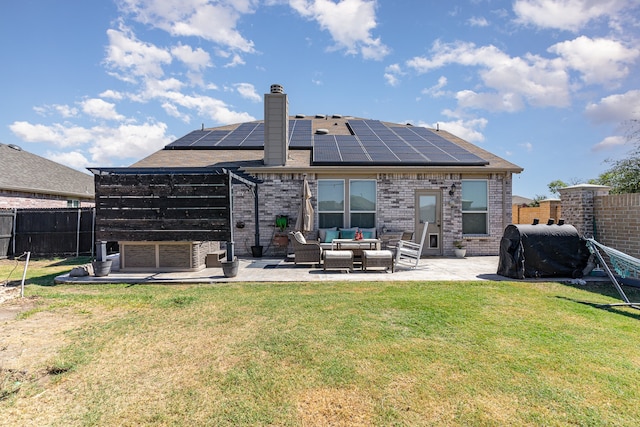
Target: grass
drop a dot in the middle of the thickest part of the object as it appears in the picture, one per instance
(344, 353)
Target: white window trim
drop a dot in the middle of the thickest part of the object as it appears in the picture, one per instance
(344, 198)
(346, 212)
(375, 192)
(487, 211)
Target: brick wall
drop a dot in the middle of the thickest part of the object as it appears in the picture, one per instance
(548, 209)
(280, 194)
(612, 219)
(617, 222)
(13, 199)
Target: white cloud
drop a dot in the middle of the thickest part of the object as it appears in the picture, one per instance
(235, 61)
(112, 94)
(570, 15)
(58, 134)
(506, 101)
(99, 108)
(478, 21)
(64, 111)
(126, 54)
(213, 21)
(538, 81)
(248, 91)
(127, 141)
(609, 143)
(392, 73)
(527, 146)
(615, 108)
(104, 143)
(196, 60)
(436, 90)
(73, 159)
(212, 108)
(600, 61)
(467, 129)
(349, 22)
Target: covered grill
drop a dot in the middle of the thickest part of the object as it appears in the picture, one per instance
(542, 250)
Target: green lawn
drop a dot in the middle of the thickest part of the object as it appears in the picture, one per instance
(344, 353)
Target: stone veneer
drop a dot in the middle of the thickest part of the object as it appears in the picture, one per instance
(165, 256)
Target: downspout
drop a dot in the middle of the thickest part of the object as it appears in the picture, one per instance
(505, 206)
(230, 251)
(256, 214)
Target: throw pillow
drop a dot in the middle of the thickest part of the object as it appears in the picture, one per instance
(347, 234)
(330, 235)
(371, 231)
(300, 237)
(367, 235)
(322, 233)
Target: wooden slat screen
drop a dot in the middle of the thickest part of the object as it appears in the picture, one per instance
(163, 207)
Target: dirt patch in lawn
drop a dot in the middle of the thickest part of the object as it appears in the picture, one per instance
(28, 344)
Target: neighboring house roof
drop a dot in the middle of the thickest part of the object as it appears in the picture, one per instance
(27, 172)
(328, 143)
(519, 200)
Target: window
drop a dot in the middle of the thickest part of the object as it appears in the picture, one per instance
(73, 203)
(330, 203)
(475, 213)
(362, 203)
(360, 211)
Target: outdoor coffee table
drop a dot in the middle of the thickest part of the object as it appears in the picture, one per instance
(334, 260)
(372, 258)
(351, 244)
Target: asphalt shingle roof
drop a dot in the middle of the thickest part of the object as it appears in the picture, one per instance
(28, 172)
(251, 160)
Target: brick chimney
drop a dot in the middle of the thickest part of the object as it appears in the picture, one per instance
(276, 127)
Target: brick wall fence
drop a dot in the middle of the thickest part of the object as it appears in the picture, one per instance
(548, 209)
(612, 219)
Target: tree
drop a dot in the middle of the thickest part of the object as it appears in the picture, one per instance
(624, 175)
(554, 186)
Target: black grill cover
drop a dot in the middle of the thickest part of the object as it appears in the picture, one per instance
(542, 251)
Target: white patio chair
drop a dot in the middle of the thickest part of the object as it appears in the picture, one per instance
(409, 252)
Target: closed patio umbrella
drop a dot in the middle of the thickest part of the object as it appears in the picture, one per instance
(305, 215)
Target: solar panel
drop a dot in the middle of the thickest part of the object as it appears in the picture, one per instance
(300, 134)
(211, 139)
(187, 140)
(246, 135)
(372, 142)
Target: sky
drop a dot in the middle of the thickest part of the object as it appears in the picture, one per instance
(550, 85)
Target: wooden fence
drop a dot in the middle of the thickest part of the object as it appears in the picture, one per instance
(67, 231)
(163, 207)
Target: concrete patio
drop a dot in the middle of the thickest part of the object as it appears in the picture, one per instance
(281, 270)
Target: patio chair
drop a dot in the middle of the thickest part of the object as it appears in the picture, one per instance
(303, 251)
(409, 252)
(389, 240)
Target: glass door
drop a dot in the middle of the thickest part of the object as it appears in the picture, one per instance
(429, 208)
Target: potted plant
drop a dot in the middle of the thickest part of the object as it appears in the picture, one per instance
(459, 250)
(281, 239)
(282, 221)
(230, 268)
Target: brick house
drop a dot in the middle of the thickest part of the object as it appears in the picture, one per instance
(362, 173)
(30, 181)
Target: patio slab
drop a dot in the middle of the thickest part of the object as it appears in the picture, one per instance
(281, 270)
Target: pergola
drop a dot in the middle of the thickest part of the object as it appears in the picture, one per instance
(169, 204)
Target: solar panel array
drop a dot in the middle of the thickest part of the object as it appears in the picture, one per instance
(374, 142)
(371, 143)
(247, 135)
